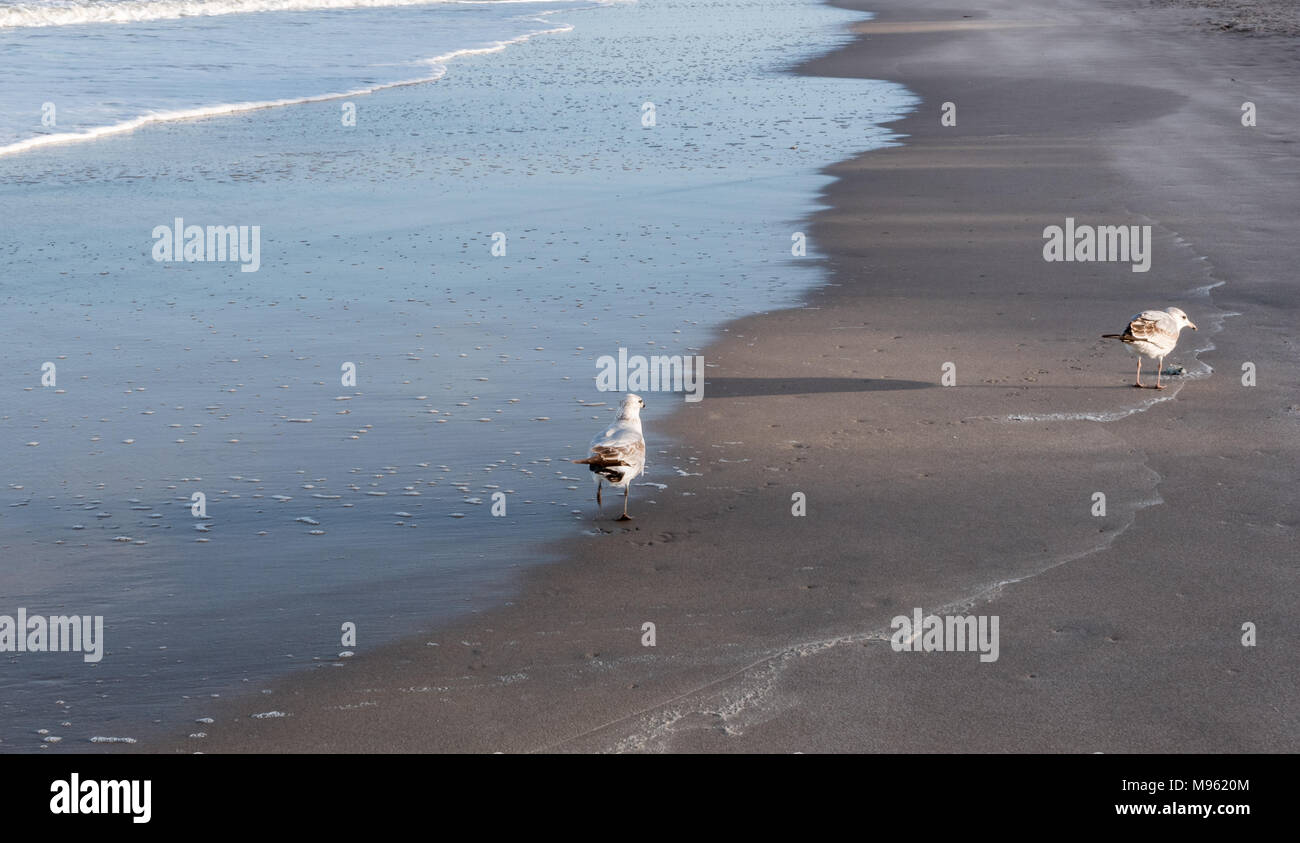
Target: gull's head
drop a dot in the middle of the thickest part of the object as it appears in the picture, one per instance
(1180, 318)
(631, 407)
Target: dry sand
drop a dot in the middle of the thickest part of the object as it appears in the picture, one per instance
(1118, 633)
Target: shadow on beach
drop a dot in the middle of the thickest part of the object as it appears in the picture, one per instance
(747, 387)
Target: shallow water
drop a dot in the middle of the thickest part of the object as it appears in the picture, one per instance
(474, 372)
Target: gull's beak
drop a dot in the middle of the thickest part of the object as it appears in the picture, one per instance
(1193, 325)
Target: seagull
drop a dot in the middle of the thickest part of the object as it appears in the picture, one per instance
(618, 454)
(1153, 333)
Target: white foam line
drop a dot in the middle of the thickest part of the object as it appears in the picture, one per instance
(988, 593)
(1097, 416)
(237, 108)
(143, 11)
(769, 664)
(1204, 370)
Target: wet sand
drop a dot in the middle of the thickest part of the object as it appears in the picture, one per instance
(1118, 633)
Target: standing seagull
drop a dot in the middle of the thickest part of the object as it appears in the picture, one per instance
(1153, 333)
(618, 454)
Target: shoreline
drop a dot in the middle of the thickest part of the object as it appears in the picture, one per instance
(237, 622)
(771, 633)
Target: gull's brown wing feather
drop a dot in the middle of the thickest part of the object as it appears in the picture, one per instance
(611, 455)
(616, 462)
(1150, 327)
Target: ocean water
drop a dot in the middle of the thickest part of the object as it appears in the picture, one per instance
(96, 67)
(371, 503)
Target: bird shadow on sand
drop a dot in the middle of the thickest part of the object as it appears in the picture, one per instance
(749, 387)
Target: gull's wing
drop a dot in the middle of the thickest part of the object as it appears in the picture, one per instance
(618, 436)
(626, 453)
(1154, 326)
(619, 445)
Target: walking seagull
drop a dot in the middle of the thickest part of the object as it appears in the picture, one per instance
(1153, 333)
(618, 454)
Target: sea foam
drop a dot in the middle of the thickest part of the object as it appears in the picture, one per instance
(81, 12)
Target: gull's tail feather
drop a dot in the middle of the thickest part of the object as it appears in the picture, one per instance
(1112, 336)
